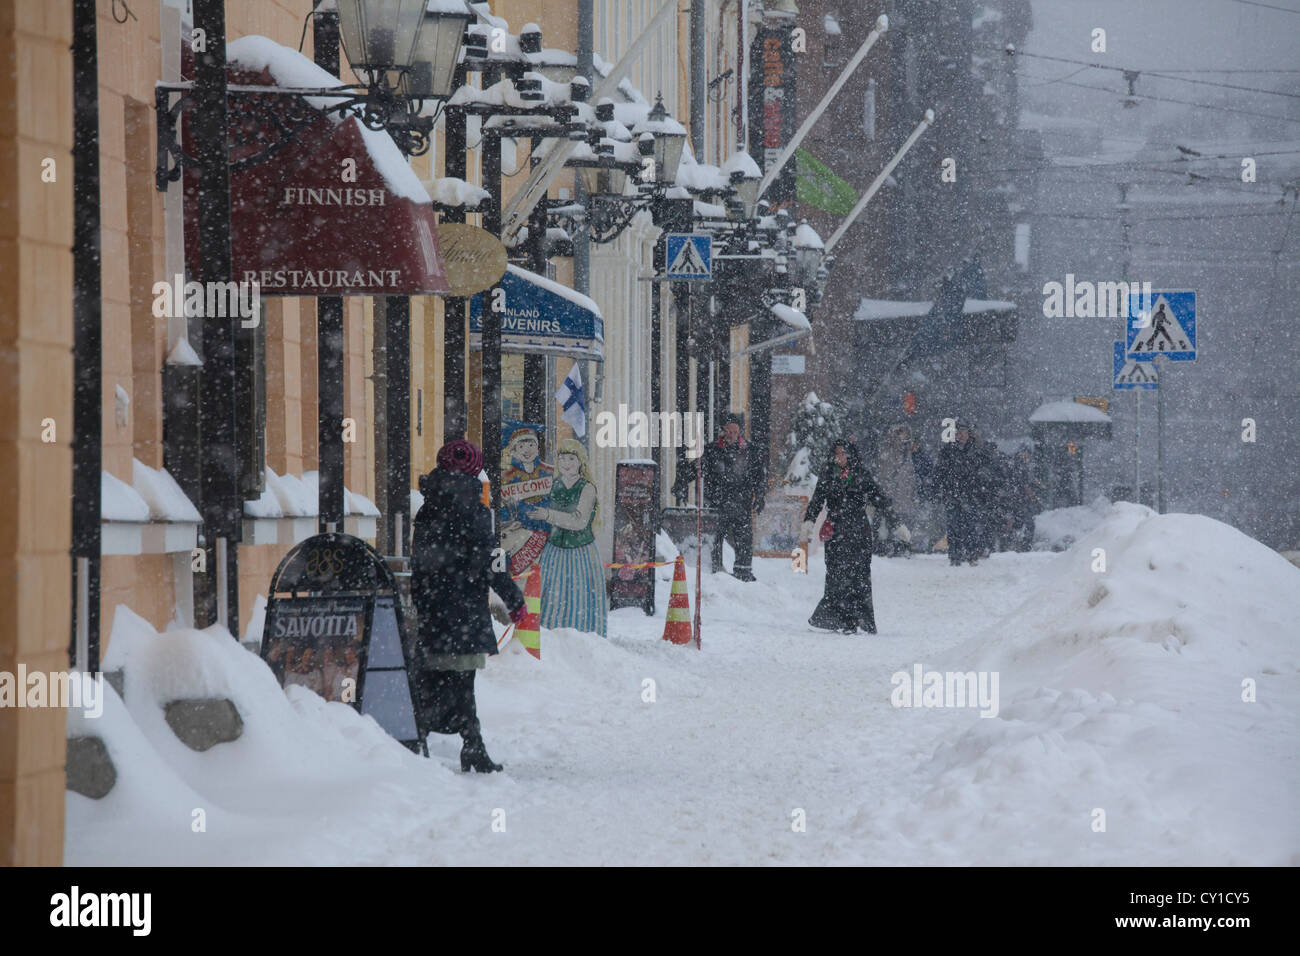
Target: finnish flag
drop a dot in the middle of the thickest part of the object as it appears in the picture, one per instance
(572, 401)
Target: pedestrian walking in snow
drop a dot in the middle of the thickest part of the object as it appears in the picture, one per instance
(845, 488)
(452, 568)
(573, 578)
(961, 474)
(733, 485)
(896, 474)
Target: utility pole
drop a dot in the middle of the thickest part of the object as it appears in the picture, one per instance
(329, 336)
(220, 505)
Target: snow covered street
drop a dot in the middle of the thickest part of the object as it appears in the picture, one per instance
(1120, 691)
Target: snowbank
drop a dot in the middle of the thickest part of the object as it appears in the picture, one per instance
(1156, 691)
(1059, 528)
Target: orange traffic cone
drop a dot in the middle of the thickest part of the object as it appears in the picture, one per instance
(529, 631)
(677, 626)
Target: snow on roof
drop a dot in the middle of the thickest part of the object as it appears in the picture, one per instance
(700, 176)
(1068, 411)
(290, 68)
(577, 298)
(119, 501)
(484, 11)
(878, 309)
(708, 210)
(870, 309)
(791, 317)
(656, 127)
(741, 162)
(159, 490)
(807, 237)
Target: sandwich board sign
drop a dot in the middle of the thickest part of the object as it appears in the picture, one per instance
(1131, 373)
(335, 625)
(689, 255)
(1161, 324)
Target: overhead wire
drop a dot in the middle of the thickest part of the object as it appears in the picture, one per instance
(1153, 73)
(1164, 99)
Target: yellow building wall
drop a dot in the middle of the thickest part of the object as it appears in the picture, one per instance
(35, 386)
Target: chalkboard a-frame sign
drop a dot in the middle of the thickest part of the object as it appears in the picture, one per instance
(335, 625)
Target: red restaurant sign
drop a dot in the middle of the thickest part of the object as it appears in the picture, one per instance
(337, 211)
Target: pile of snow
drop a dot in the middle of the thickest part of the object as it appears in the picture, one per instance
(1155, 691)
(1059, 528)
(298, 759)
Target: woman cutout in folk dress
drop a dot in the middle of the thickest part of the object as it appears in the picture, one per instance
(573, 579)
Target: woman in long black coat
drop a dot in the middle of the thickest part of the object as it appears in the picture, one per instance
(846, 488)
(451, 572)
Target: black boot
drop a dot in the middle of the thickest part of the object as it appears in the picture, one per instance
(473, 755)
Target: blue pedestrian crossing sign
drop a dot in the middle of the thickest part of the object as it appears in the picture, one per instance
(1161, 324)
(689, 255)
(1130, 373)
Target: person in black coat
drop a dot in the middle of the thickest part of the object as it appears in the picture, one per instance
(963, 475)
(846, 488)
(451, 570)
(734, 480)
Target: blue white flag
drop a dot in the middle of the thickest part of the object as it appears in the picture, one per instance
(573, 401)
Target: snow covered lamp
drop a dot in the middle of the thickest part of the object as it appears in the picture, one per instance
(745, 176)
(379, 36)
(437, 49)
(669, 140)
(808, 253)
(780, 9)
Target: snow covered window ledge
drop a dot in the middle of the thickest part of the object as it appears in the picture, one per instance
(287, 511)
(123, 515)
(149, 516)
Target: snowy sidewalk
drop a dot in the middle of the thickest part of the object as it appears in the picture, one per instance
(779, 744)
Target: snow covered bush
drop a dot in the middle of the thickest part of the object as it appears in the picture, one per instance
(816, 425)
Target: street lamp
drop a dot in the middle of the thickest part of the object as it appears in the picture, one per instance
(809, 251)
(669, 140)
(437, 49)
(744, 176)
(379, 35)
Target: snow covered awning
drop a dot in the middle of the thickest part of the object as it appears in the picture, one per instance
(1068, 411)
(1065, 420)
(872, 310)
(299, 226)
(542, 317)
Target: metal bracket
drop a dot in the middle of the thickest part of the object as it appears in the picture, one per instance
(263, 120)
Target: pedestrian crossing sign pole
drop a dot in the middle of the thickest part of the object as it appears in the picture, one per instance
(1158, 325)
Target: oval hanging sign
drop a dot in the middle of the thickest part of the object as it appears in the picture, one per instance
(474, 259)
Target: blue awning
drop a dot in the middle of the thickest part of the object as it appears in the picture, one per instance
(540, 317)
